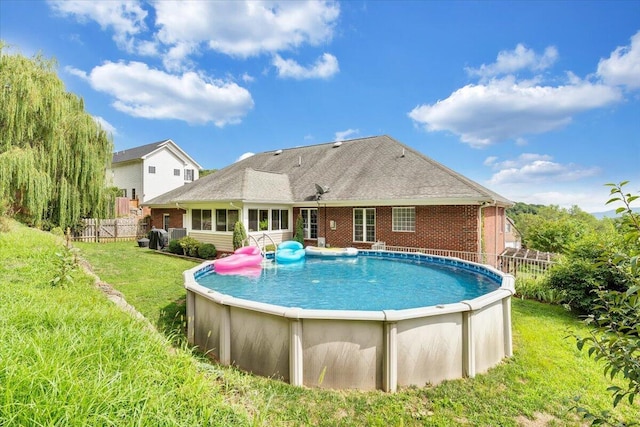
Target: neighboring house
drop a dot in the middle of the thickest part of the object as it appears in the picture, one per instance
(512, 238)
(350, 193)
(148, 171)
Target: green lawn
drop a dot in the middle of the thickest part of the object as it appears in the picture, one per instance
(71, 357)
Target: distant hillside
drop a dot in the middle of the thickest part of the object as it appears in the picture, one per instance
(610, 214)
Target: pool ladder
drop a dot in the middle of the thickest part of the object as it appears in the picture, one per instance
(263, 239)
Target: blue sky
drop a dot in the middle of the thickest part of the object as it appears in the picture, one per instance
(539, 101)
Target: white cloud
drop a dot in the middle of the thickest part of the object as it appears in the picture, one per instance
(124, 17)
(583, 197)
(324, 68)
(505, 109)
(245, 28)
(144, 92)
(247, 78)
(623, 66)
(106, 126)
(521, 58)
(345, 134)
(531, 168)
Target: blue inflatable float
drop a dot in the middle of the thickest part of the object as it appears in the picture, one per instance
(289, 251)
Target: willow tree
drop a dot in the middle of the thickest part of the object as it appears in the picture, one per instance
(53, 155)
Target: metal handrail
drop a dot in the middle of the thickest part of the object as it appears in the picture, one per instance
(263, 239)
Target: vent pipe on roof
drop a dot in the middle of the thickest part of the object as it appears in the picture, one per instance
(299, 161)
(277, 152)
(337, 144)
(402, 153)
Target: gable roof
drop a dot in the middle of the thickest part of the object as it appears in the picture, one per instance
(374, 170)
(143, 151)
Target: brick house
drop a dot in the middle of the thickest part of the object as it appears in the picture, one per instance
(349, 193)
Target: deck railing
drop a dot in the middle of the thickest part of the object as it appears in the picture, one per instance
(531, 264)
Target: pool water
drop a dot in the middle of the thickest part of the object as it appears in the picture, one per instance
(360, 283)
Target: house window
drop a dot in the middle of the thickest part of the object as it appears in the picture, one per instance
(226, 219)
(404, 219)
(310, 221)
(133, 193)
(258, 219)
(176, 172)
(152, 169)
(364, 225)
(201, 219)
(279, 219)
(188, 174)
(165, 222)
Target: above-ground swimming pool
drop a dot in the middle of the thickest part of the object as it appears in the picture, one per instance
(376, 321)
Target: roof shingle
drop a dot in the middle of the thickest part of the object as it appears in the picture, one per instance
(366, 170)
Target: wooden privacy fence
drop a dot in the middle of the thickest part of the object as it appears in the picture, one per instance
(110, 230)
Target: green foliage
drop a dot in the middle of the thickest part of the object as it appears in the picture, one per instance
(299, 235)
(189, 246)
(581, 272)
(239, 235)
(57, 231)
(207, 251)
(65, 263)
(175, 247)
(205, 172)
(71, 357)
(537, 288)
(551, 228)
(523, 208)
(614, 337)
(53, 155)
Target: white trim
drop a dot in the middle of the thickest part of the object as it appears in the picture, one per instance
(403, 220)
(364, 224)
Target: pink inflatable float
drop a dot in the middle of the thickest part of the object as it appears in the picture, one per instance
(248, 256)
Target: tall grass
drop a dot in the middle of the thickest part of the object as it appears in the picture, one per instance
(69, 357)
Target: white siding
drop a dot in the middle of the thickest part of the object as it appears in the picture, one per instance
(163, 180)
(128, 176)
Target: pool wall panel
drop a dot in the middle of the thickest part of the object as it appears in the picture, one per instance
(342, 354)
(260, 343)
(207, 325)
(488, 337)
(429, 349)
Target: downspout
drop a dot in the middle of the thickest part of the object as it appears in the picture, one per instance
(495, 240)
(480, 231)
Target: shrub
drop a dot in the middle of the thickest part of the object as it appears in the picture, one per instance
(175, 247)
(207, 251)
(582, 272)
(299, 236)
(57, 231)
(65, 264)
(239, 235)
(614, 331)
(537, 288)
(190, 246)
